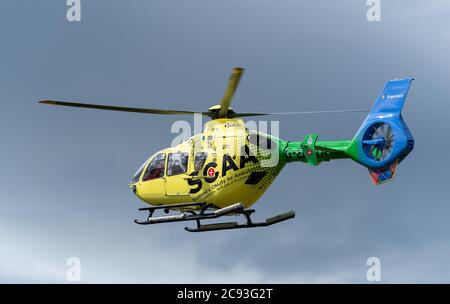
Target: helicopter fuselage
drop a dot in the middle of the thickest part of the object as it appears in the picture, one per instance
(225, 164)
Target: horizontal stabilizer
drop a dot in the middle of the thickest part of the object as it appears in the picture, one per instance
(309, 149)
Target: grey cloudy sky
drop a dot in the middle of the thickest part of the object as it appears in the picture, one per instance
(65, 171)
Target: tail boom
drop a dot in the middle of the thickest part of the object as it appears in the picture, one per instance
(382, 141)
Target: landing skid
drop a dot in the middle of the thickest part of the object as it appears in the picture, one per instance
(204, 214)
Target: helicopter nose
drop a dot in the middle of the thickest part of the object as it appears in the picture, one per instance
(133, 189)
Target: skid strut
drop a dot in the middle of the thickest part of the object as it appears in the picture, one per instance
(204, 214)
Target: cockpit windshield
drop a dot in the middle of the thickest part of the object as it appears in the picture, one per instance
(138, 173)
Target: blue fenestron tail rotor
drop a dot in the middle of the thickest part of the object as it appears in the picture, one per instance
(378, 141)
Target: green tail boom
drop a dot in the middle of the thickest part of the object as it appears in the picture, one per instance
(313, 152)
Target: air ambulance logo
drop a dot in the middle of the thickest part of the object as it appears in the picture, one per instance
(211, 172)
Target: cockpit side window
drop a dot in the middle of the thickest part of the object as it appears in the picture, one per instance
(200, 158)
(156, 168)
(177, 163)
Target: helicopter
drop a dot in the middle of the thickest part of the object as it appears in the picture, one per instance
(227, 167)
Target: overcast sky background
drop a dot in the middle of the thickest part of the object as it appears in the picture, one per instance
(63, 182)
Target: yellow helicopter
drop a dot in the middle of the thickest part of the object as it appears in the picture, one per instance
(226, 168)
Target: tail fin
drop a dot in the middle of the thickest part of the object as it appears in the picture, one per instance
(384, 140)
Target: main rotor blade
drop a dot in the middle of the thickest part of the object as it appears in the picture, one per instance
(301, 113)
(121, 109)
(233, 83)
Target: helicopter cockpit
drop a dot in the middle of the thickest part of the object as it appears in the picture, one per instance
(155, 167)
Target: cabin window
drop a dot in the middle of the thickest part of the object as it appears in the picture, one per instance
(200, 159)
(177, 163)
(261, 141)
(156, 168)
